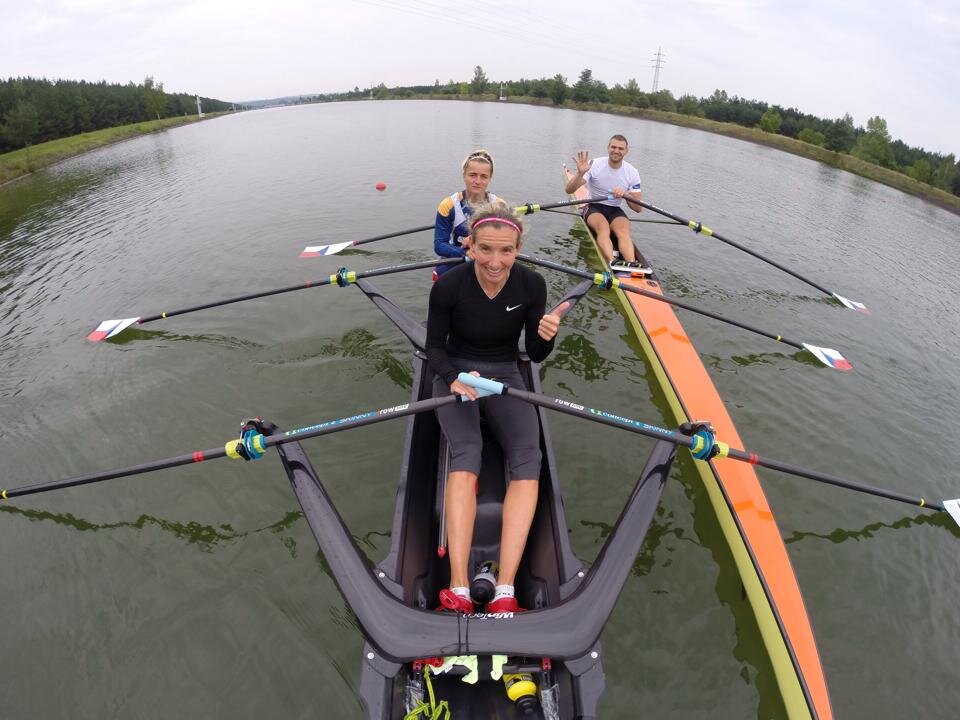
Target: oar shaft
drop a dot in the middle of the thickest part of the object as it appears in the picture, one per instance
(700, 228)
(664, 299)
(633, 220)
(325, 428)
(146, 467)
(636, 426)
(422, 228)
(330, 279)
(831, 479)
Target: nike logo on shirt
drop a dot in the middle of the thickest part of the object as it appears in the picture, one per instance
(514, 307)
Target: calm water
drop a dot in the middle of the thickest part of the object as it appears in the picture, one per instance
(199, 592)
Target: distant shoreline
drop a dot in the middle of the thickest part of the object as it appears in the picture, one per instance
(22, 162)
(841, 161)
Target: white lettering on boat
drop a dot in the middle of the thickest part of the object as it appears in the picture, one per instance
(492, 616)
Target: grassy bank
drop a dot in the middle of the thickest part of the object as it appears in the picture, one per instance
(26, 160)
(842, 161)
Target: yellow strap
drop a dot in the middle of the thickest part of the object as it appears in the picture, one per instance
(467, 661)
(496, 666)
(430, 709)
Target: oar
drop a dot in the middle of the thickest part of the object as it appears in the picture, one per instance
(250, 446)
(701, 443)
(112, 328)
(319, 250)
(698, 227)
(633, 220)
(322, 250)
(828, 356)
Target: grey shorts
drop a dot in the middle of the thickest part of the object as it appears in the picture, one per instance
(514, 423)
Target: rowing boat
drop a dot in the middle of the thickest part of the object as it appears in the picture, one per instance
(736, 497)
(556, 641)
(418, 662)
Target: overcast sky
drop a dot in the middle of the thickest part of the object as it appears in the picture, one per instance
(827, 57)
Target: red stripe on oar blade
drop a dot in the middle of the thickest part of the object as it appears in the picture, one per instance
(830, 357)
(853, 304)
(198, 456)
(320, 250)
(110, 328)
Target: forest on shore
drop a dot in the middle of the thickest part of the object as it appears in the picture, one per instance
(34, 111)
(872, 144)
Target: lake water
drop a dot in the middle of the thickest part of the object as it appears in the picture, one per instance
(199, 592)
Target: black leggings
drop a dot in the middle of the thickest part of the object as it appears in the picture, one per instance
(514, 423)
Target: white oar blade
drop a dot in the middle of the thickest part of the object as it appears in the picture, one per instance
(853, 304)
(321, 250)
(110, 328)
(953, 507)
(830, 357)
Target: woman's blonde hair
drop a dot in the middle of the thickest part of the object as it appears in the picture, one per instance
(479, 156)
(497, 215)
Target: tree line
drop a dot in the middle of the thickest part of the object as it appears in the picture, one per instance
(37, 110)
(872, 143)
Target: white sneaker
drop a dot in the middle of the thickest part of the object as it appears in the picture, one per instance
(633, 267)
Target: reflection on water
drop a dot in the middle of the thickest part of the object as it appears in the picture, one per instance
(222, 207)
(662, 530)
(205, 537)
(840, 535)
(576, 354)
(134, 333)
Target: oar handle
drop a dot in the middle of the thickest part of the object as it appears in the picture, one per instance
(531, 208)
